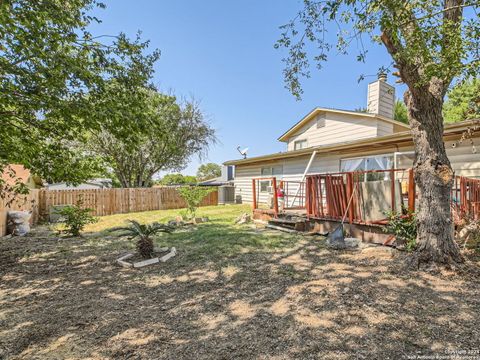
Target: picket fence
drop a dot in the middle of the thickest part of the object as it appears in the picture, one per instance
(102, 201)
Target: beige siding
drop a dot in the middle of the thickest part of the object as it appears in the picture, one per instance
(464, 163)
(338, 128)
(384, 128)
(381, 99)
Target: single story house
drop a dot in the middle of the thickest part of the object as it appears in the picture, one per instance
(92, 184)
(14, 173)
(332, 140)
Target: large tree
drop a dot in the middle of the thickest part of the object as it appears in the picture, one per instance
(177, 179)
(431, 43)
(208, 171)
(49, 61)
(172, 131)
(463, 101)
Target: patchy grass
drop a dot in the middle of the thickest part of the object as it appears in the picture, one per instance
(218, 214)
(214, 240)
(233, 292)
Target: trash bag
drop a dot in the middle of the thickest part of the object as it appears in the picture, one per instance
(18, 222)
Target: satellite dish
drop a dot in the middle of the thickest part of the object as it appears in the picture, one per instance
(242, 152)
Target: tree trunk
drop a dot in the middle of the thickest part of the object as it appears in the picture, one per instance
(145, 247)
(434, 177)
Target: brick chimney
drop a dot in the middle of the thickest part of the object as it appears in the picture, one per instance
(381, 97)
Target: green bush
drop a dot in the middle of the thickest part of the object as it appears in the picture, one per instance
(404, 226)
(193, 196)
(74, 218)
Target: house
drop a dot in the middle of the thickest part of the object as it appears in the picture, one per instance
(14, 173)
(332, 140)
(99, 183)
(225, 179)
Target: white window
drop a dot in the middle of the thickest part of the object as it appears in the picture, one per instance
(366, 163)
(300, 144)
(272, 170)
(264, 186)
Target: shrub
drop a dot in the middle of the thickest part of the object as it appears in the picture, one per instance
(144, 233)
(404, 227)
(74, 218)
(193, 196)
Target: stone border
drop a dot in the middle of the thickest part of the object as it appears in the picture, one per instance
(121, 260)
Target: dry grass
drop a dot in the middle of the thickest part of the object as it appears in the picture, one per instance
(232, 292)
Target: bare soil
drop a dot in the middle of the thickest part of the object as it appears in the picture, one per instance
(66, 298)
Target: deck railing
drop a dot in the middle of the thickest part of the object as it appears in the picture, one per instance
(466, 197)
(362, 197)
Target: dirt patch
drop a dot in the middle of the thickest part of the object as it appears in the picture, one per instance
(64, 298)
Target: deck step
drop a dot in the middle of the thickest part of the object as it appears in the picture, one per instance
(298, 225)
(283, 221)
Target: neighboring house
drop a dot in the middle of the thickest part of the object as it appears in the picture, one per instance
(15, 172)
(90, 184)
(333, 140)
(225, 179)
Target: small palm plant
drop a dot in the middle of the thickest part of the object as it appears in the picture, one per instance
(144, 233)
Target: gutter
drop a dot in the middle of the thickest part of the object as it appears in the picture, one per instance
(392, 139)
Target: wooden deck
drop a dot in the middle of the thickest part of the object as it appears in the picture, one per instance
(362, 197)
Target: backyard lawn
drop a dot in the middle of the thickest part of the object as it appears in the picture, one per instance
(232, 291)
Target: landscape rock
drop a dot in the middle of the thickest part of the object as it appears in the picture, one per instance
(171, 254)
(146, 262)
(243, 219)
(161, 249)
(121, 260)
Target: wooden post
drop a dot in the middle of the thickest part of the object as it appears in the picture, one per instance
(307, 196)
(392, 179)
(411, 191)
(254, 192)
(275, 199)
(349, 196)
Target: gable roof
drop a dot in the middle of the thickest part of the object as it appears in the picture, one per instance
(318, 110)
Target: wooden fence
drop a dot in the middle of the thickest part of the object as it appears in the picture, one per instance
(103, 202)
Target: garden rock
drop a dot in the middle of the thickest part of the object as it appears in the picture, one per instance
(199, 220)
(171, 254)
(243, 219)
(121, 260)
(18, 222)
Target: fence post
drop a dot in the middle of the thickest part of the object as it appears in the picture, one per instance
(275, 199)
(254, 193)
(350, 196)
(307, 196)
(411, 191)
(392, 179)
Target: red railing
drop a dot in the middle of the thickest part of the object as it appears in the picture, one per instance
(256, 188)
(293, 194)
(361, 197)
(466, 197)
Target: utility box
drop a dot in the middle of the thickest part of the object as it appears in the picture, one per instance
(226, 194)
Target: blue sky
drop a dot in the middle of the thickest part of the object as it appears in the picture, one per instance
(221, 52)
